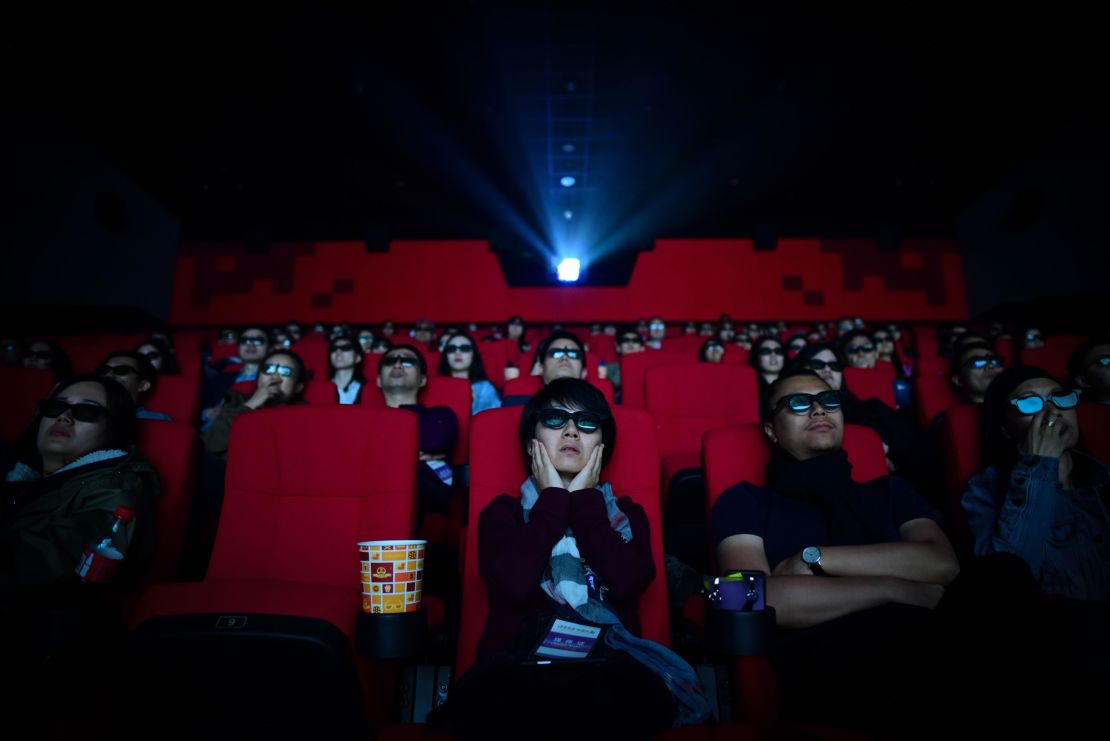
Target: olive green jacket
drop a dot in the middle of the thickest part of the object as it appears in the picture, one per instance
(46, 522)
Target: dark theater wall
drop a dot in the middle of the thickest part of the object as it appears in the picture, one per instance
(1042, 234)
(75, 230)
(455, 281)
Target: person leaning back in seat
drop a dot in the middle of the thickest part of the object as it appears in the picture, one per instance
(853, 569)
(402, 372)
(280, 382)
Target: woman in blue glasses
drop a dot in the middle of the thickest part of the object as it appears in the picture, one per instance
(1041, 497)
(460, 358)
(568, 548)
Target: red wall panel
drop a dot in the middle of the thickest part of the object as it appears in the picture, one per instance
(449, 281)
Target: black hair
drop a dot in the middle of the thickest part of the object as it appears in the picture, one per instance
(358, 374)
(122, 427)
(476, 372)
(703, 353)
(420, 361)
(847, 337)
(573, 393)
(754, 357)
(169, 360)
(383, 340)
(59, 361)
(1079, 360)
(998, 450)
(766, 411)
(957, 360)
(807, 353)
(559, 334)
(298, 364)
(145, 368)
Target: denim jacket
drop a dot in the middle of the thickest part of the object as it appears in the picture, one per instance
(1063, 534)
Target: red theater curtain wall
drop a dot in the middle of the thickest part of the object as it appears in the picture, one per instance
(450, 281)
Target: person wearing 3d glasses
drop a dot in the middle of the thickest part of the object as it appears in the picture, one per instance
(1041, 497)
(280, 382)
(568, 547)
(854, 569)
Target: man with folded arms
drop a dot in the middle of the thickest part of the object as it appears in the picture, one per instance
(853, 569)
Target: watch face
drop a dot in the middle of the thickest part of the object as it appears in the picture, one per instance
(811, 555)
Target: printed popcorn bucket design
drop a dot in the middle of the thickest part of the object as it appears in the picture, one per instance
(392, 575)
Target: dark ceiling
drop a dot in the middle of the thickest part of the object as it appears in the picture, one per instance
(454, 121)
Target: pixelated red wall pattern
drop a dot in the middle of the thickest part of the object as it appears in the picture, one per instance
(449, 281)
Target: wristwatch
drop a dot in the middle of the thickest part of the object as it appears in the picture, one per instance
(811, 557)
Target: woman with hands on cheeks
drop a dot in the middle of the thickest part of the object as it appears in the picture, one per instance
(568, 549)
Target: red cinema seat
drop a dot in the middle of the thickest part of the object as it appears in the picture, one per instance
(314, 352)
(962, 444)
(21, 389)
(687, 345)
(321, 391)
(171, 447)
(1053, 357)
(634, 368)
(493, 361)
(1094, 429)
(872, 383)
(496, 468)
(741, 453)
(932, 394)
(177, 396)
(304, 485)
(529, 385)
(455, 394)
(686, 400)
(222, 351)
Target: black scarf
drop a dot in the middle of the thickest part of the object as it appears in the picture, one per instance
(824, 481)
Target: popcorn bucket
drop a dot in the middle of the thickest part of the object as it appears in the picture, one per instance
(392, 575)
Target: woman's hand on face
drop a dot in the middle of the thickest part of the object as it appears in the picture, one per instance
(1045, 436)
(587, 478)
(543, 470)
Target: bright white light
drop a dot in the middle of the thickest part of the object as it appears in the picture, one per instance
(568, 269)
(567, 181)
(568, 215)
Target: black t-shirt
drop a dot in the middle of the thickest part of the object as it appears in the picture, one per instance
(789, 525)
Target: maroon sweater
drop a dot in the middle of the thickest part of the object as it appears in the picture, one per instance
(512, 557)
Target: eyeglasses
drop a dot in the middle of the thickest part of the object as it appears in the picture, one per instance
(253, 340)
(406, 361)
(1032, 337)
(983, 361)
(635, 339)
(459, 348)
(40, 354)
(116, 370)
(1034, 403)
(857, 349)
(830, 401)
(1102, 360)
(556, 419)
(714, 346)
(557, 353)
(881, 338)
(274, 369)
(772, 351)
(342, 348)
(82, 412)
(816, 365)
(657, 325)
